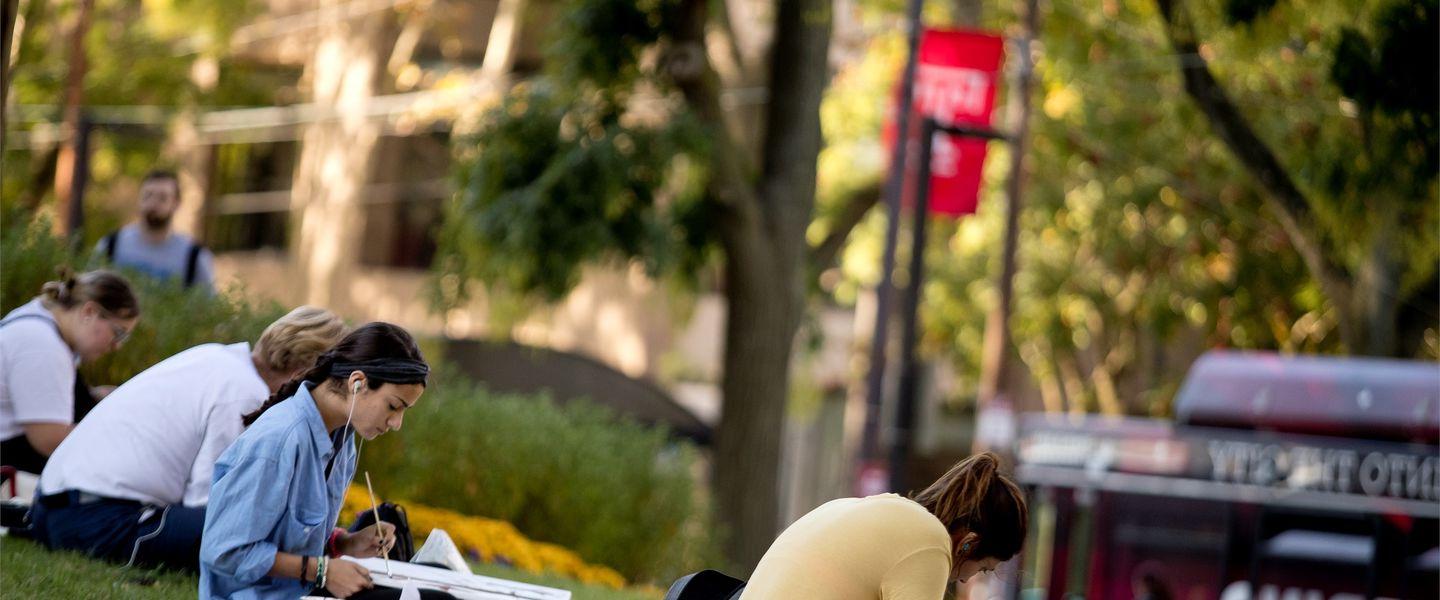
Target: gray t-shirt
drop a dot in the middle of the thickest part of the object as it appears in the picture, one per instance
(166, 260)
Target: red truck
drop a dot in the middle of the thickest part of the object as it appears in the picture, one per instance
(1281, 478)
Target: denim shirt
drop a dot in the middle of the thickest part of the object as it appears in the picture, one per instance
(270, 495)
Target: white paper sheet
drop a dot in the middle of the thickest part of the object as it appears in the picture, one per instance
(439, 549)
(461, 585)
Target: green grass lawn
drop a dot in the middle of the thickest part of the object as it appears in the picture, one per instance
(581, 591)
(29, 571)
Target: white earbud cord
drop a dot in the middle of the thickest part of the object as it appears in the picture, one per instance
(354, 454)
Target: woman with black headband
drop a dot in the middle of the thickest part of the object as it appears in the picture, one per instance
(269, 531)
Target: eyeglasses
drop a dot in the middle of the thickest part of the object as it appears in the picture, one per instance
(118, 333)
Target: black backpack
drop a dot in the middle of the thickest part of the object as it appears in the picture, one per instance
(192, 258)
(394, 514)
(706, 585)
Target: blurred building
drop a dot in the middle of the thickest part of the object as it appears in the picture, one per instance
(334, 197)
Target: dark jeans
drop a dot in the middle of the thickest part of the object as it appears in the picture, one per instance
(113, 529)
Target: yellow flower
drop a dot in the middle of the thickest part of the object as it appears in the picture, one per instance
(493, 538)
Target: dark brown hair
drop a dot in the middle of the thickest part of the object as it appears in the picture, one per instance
(105, 288)
(370, 342)
(975, 497)
(162, 175)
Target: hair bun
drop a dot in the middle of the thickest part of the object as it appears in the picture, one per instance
(59, 292)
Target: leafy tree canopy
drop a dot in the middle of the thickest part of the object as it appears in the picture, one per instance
(594, 160)
(1143, 241)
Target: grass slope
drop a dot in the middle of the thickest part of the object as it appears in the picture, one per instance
(29, 571)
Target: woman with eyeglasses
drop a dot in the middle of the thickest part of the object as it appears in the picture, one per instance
(74, 320)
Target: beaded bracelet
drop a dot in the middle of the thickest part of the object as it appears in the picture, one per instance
(320, 564)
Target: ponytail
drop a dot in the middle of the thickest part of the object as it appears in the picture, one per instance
(975, 497)
(956, 497)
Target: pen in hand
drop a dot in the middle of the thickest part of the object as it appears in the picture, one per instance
(375, 510)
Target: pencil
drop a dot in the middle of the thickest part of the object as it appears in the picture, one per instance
(375, 510)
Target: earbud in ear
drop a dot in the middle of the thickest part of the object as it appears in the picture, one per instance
(355, 389)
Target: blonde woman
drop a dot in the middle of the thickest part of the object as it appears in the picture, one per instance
(887, 546)
(131, 483)
(73, 320)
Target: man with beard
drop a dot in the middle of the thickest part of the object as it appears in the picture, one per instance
(151, 247)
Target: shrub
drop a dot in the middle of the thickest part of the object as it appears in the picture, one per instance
(171, 318)
(29, 257)
(617, 493)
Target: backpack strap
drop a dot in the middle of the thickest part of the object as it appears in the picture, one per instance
(110, 246)
(192, 260)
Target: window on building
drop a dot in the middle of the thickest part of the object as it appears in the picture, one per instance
(405, 200)
(250, 187)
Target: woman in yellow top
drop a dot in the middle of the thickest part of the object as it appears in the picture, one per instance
(894, 548)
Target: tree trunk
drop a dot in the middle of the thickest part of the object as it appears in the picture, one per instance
(997, 348)
(824, 254)
(968, 12)
(42, 170)
(8, 11)
(759, 333)
(194, 160)
(74, 98)
(1377, 298)
(1074, 385)
(1042, 369)
(344, 74)
(504, 39)
(763, 233)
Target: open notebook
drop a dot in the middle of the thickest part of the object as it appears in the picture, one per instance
(455, 578)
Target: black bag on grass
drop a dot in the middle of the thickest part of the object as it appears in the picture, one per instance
(706, 585)
(393, 514)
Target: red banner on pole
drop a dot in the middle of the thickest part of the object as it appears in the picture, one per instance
(955, 82)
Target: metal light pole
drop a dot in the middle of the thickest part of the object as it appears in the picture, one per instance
(908, 398)
(870, 459)
(874, 472)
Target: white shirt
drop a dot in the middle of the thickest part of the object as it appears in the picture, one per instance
(155, 439)
(37, 372)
